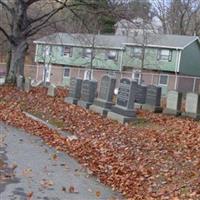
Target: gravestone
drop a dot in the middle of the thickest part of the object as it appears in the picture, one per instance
(153, 98)
(20, 82)
(192, 105)
(174, 102)
(123, 111)
(27, 85)
(51, 90)
(88, 93)
(74, 91)
(140, 98)
(104, 102)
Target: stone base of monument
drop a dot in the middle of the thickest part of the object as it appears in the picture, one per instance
(171, 112)
(84, 104)
(138, 105)
(122, 115)
(120, 118)
(151, 108)
(192, 115)
(97, 109)
(71, 100)
(100, 106)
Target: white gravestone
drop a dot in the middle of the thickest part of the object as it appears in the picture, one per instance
(174, 101)
(192, 105)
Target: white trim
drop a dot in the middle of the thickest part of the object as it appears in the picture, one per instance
(179, 61)
(121, 61)
(156, 46)
(36, 53)
(47, 66)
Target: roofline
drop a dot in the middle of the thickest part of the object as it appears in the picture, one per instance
(151, 45)
(197, 38)
(73, 45)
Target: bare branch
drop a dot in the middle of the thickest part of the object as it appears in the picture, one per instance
(5, 33)
(5, 6)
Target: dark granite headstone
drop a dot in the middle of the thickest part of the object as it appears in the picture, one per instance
(123, 111)
(104, 101)
(140, 96)
(88, 93)
(153, 98)
(74, 91)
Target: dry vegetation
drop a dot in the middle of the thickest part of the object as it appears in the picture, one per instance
(156, 158)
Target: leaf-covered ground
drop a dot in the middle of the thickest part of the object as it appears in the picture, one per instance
(158, 157)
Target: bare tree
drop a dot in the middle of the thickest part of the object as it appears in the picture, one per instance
(178, 16)
(23, 24)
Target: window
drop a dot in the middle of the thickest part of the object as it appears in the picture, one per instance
(136, 75)
(164, 54)
(88, 75)
(111, 55)
(136, 52)
(87, 52)
(67, 51)
(66, 72)
(163, 79)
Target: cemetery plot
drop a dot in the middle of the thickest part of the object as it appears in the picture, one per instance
(145, 162)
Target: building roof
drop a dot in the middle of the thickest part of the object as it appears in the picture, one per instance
(163, 41)
(118, 42)
(88, 40)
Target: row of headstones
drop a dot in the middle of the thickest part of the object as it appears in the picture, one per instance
(130, 94)
(191, 106)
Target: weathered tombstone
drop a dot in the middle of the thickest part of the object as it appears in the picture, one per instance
(104, 102)
(140, 98)
(27, 85)
(88, 93)
(192, 105)
(74, 91)
(153, 98)
(174, 102)
(123, 111)
(20, 82)
(51, 90)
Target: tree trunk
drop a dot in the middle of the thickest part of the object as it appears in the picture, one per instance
(8, 60)
(18, 54)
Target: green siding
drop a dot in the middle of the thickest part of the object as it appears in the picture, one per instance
(190, 60)
(99, 62)
(150, 61)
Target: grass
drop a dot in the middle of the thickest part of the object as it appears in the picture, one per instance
(57, 123)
